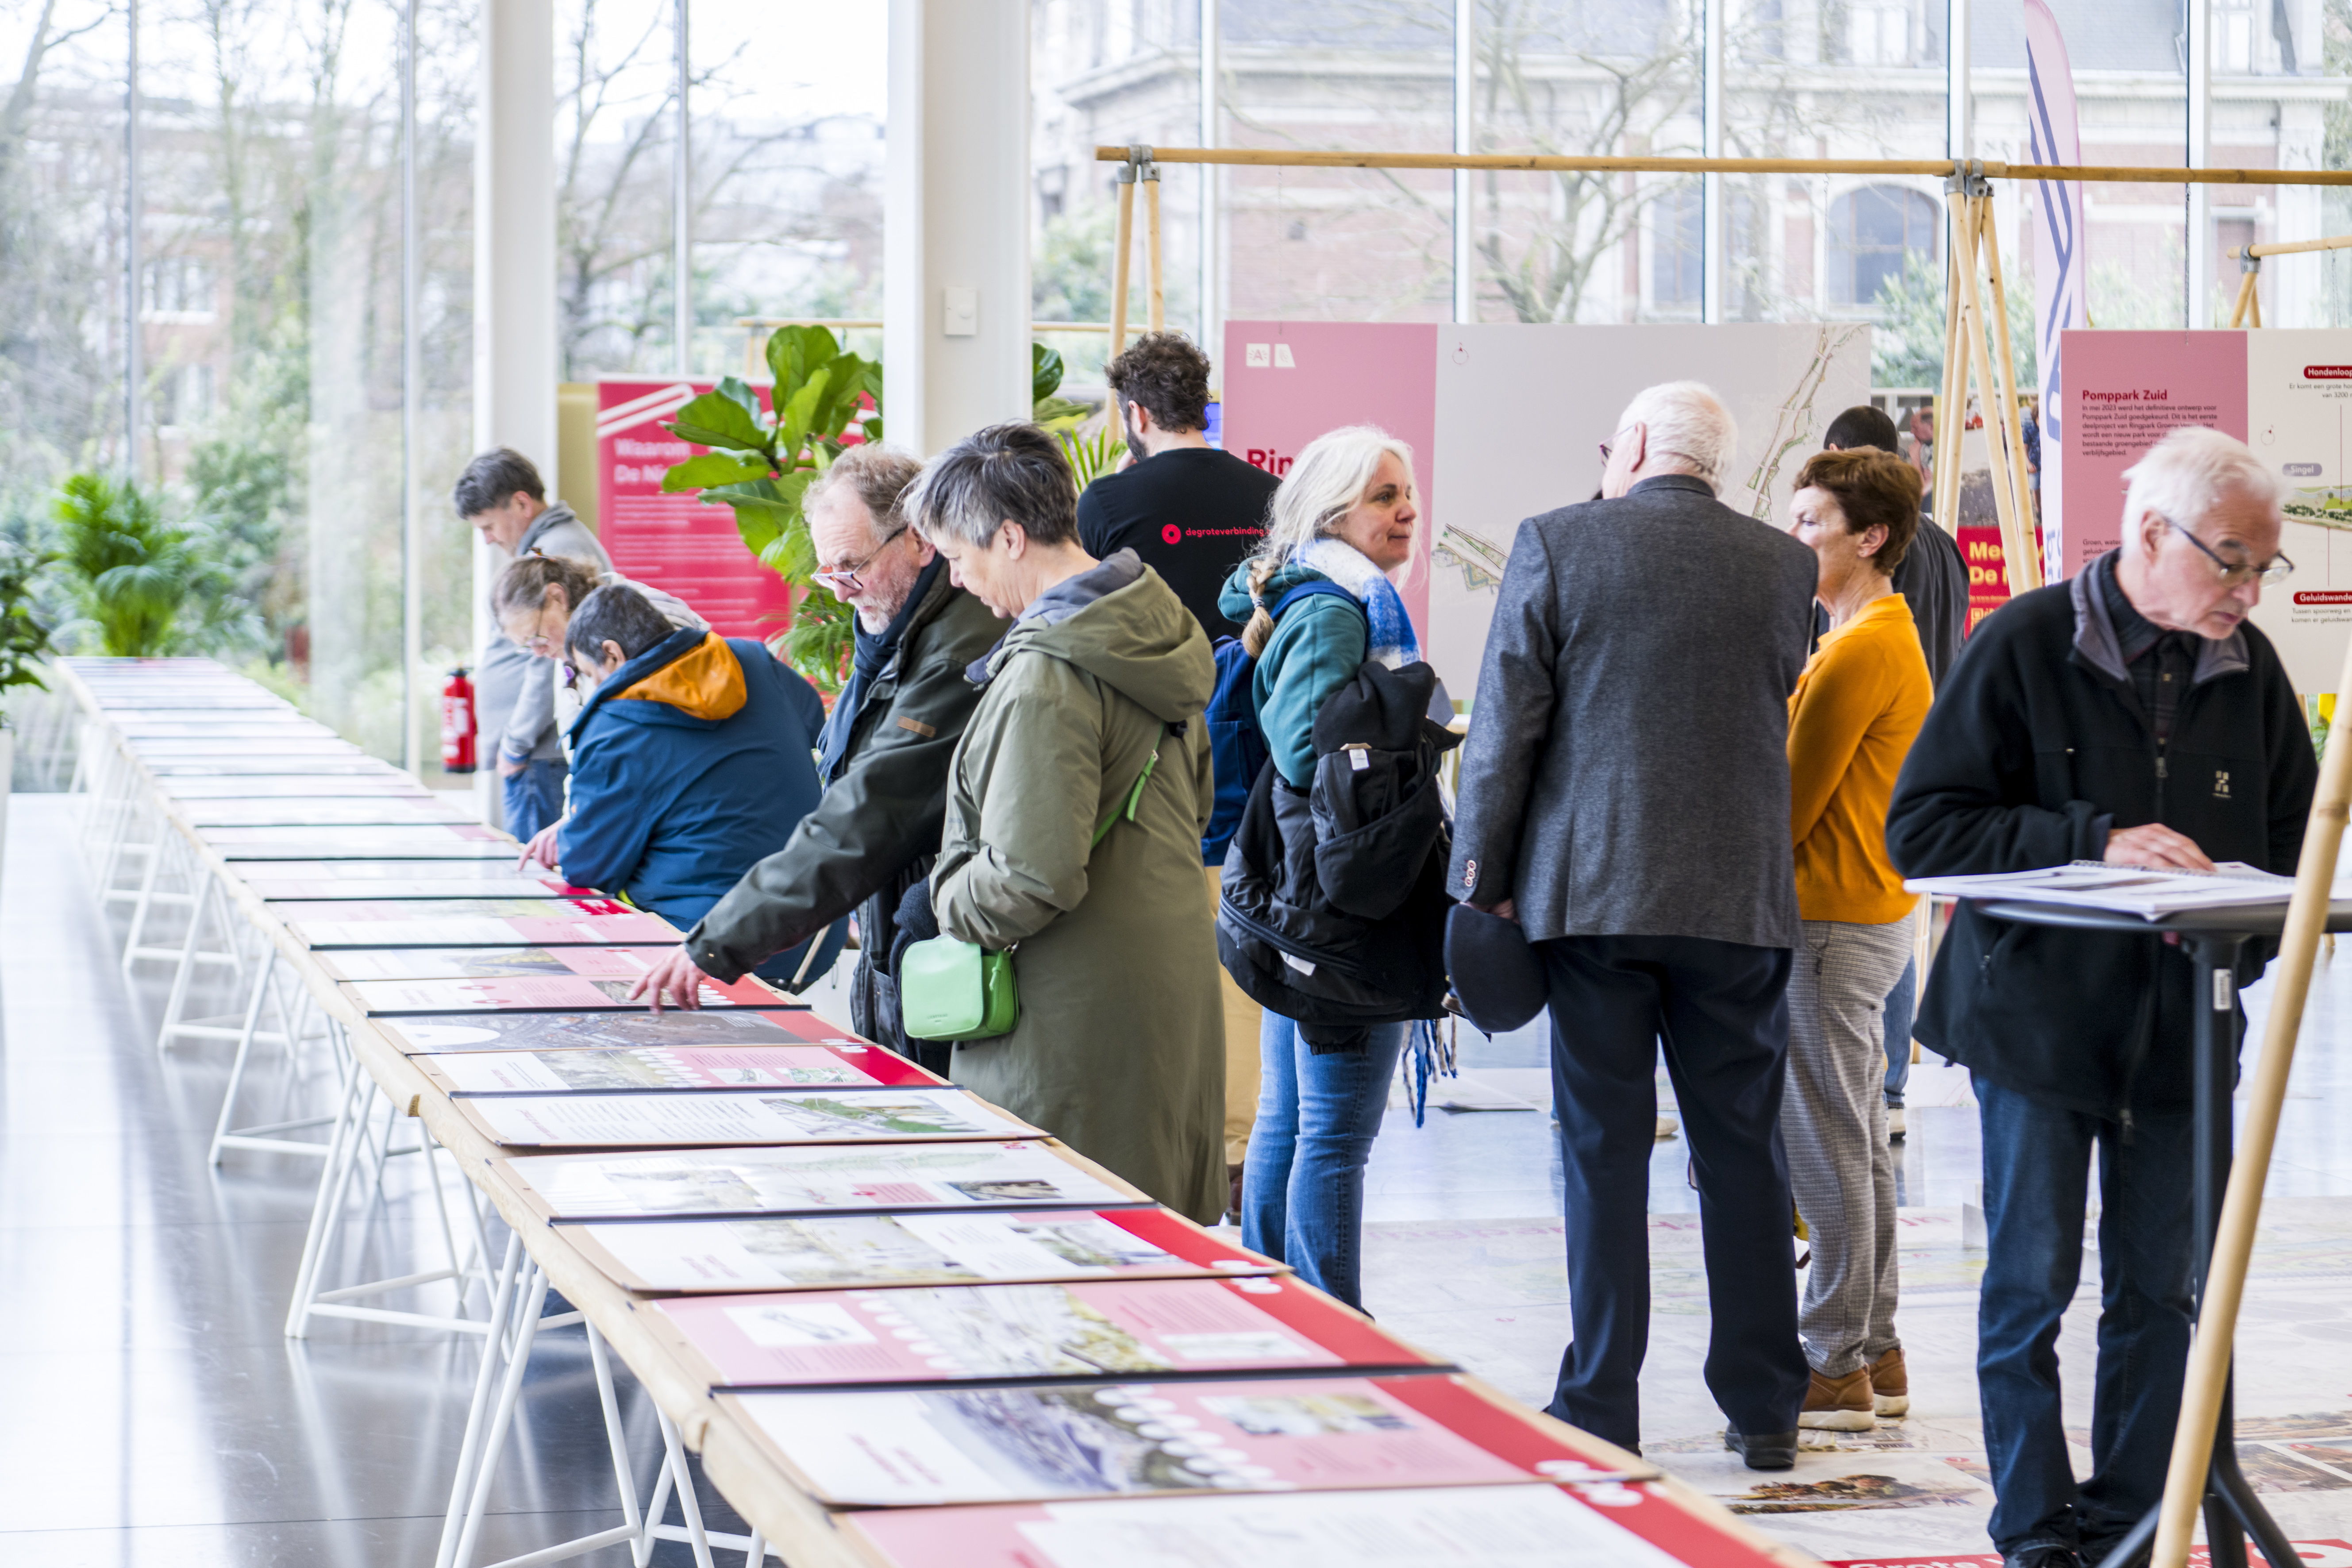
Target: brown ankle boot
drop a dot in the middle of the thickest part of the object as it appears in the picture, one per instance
(1890, 1385)
(1839, 1403)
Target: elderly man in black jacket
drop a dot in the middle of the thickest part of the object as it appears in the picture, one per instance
(1625, 797)
(2131, 715)
(882, 758)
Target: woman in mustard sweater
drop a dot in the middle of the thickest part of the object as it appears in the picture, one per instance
(1856, 710)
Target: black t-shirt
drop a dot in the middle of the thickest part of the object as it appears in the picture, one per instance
(1191, 513)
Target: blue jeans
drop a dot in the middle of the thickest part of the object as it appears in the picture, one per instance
(1303, 1181)
(534, 796)
(1901, 1007)
(2037, 1162)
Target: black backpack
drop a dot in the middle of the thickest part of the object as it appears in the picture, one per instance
(1333, 902)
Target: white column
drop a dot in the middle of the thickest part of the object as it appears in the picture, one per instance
(955, 220)
(681, 226)
(1959, 133)
(1466, 141)
(2200, 283)
(134, 261)
(514, 269)
(413, 682)
(1715, 230)
(1213, 314)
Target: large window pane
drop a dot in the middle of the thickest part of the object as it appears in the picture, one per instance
(1111, 74)
(788, 103)
(1835, 78)
(61, 239)
(2131, 86)
(1601, 78)
(615, 75)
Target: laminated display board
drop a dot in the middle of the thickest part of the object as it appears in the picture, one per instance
(904, 1448)
(415, 841)
(388, 811)
(1505, 422)
(489, 881)
(2287, 393)
(691, 1066)
(970, 1332)
(832, 1252)
(617, 1027)
(840, 1179)
(488, 963)
(675, 543)
(702, 1118)
(535, 993)
(1523, 1526)
(461, 922)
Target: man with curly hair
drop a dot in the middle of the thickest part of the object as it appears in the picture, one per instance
(1189, 511)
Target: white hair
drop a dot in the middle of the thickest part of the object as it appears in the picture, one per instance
(1329, 477)
(1686, 419)
(2183, 475)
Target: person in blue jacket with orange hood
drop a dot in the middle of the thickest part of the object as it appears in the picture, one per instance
(692, 759)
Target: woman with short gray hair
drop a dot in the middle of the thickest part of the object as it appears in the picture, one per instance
(1076, 804)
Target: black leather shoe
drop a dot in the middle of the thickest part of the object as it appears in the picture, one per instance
(1763, 1451)
(2043, 1554)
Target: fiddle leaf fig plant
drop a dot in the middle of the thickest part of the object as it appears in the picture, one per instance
(761, 461)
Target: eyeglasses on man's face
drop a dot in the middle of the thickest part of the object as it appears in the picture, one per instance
(844, 581)
(2237, 573)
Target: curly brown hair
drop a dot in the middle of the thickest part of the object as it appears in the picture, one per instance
(1168, 376)
(1870, 487)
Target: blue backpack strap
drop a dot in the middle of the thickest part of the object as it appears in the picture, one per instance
(1307, 590)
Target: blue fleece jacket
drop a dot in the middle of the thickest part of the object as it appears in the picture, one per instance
(689, 764)
(1317, 648)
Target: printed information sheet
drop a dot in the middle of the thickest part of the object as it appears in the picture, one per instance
(786, 1181)
(537, 992)
(1524, 1526)
(692, 1067)
(614, 1030)
(651, 1120)
(838, 1251)
(1021, 1444)
(473, 923)
(963, 1334)
(490, 963)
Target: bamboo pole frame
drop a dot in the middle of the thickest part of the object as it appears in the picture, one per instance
(2250, 263)
(2241, 1204)
(1970, 213)
(1942, 168)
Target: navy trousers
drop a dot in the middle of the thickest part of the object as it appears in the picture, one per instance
(1721, 1011)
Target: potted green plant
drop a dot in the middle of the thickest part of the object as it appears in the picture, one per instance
(762, 460)
(24, 643)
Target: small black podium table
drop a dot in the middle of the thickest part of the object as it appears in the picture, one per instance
(2211, 938)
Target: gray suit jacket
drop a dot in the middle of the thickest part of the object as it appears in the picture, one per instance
(1627, 769)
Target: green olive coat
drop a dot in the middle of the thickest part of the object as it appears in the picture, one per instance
(1120, 1047)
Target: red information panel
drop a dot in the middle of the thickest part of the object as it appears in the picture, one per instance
(674, 541)
(1988, 570)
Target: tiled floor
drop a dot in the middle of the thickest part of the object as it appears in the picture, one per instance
(163, 1417)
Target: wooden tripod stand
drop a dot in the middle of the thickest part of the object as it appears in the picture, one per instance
(1968, 322)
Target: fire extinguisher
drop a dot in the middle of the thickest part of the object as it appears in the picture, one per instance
(458, 723)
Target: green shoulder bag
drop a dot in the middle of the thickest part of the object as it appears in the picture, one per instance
(950, 989)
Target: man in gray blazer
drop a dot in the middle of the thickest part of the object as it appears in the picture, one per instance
(1625, 797)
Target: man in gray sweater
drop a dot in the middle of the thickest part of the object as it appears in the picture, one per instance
(1625, 797)
(500, 494)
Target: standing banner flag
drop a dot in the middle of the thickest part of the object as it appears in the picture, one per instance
(2059, 275)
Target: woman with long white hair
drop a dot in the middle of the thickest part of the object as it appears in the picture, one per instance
(1319, 601)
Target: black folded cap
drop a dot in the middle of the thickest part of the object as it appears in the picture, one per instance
(1497, 976)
